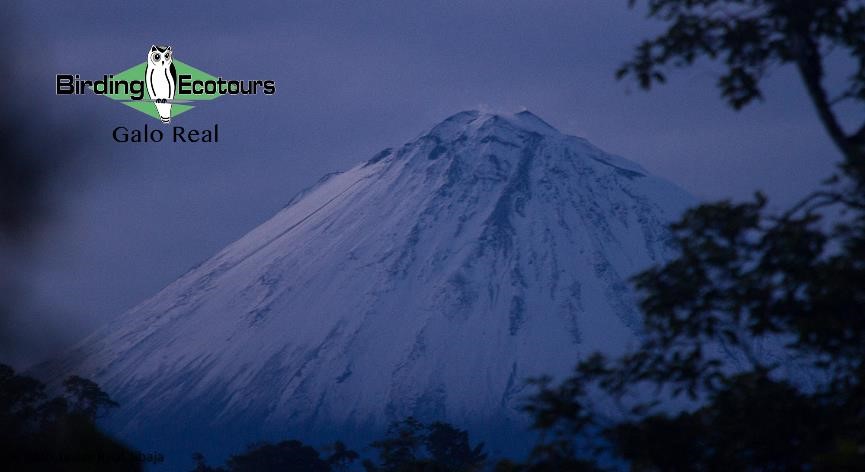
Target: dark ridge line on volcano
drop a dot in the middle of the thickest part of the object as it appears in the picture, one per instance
(302, 220)
(627, 172)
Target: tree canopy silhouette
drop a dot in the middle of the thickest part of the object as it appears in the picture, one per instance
(286, 455)
(751, 37)
(751, 354)
(56, 434)
(409, 446)
(413, 446)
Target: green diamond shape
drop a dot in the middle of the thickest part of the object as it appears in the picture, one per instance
(149, 108)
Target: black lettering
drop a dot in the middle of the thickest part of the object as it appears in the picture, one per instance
(136, 89)
(123, 136)
(119, 87)
(269, 87)
(178, 134)
(185, 86)
(65, 84)
(100, 87)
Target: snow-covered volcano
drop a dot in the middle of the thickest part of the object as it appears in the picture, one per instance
(430, 280)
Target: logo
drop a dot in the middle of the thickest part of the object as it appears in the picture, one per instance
(162, 87)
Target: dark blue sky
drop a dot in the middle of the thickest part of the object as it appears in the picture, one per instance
(352, 78)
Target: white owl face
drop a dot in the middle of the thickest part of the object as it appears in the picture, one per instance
(160, 56)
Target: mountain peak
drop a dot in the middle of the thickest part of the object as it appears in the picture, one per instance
(529, 119)
(428, 281)
(475, 122)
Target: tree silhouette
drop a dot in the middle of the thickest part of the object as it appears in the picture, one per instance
(413, 446)
(286, 455)
(291, 455)
(86, 398)
(201, 464)
(341, 456)
(400, 447)
(751, 354)
(38, 433)
(450, 447)
(751, 37)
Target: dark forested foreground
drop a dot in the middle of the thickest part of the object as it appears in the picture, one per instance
(42, 433)
(38, 432)
(409, 446)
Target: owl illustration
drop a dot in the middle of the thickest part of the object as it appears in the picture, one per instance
(161, 79)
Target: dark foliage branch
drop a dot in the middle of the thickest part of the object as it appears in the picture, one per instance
(699, 393)
(743, 278)
(750, 37)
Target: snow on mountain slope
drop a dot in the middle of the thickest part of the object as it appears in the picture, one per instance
(430, 280)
